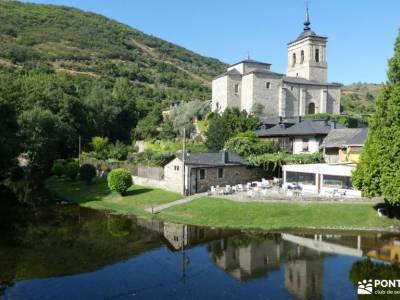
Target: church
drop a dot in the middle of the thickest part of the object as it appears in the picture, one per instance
(251, 85)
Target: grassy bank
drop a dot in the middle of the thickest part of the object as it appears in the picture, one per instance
(218, 212)
(97, 195)
(224, 213)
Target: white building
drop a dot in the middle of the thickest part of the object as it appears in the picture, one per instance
(322, 179)
(304, 89)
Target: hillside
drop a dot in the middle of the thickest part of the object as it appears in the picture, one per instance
(82, 43)
(358, 98)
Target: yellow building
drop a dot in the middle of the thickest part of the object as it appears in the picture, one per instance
(344, 145)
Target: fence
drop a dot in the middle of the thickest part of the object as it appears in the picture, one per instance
(156, 173)
(150, 172)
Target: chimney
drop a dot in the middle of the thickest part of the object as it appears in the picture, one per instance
(333, 125)
(224, 156)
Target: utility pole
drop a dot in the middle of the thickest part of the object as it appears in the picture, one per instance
(183, 160)
(79, 149)
(183, 253)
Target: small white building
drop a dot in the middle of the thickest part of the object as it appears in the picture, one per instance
(297, 135)
(322, 179)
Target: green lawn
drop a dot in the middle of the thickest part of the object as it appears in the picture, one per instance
(224, 213)
(97, 195)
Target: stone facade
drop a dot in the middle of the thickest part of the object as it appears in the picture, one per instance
(303, 90)
(232, 175)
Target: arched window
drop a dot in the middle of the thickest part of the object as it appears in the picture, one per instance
(302, 56)
(293, 59)
(317, 55)
(311, 108)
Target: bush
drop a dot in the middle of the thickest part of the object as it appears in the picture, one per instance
(119, 180)
(100, 146)
(71, 169)
(58, 167)
(87, 172)
(118, 151)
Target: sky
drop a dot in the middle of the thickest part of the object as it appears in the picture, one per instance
(361, 33)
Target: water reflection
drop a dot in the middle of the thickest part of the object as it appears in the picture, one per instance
(59, 249)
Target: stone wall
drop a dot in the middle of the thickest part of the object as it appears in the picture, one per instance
(232, 175)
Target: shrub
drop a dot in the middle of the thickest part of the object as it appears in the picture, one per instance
(71, 170)
(119, 180)
(58, 167)
(87, 172)
(100, 146)
(118, 151)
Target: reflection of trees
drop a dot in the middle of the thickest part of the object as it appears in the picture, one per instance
(66, 240)
(366, 269)
(119, 226)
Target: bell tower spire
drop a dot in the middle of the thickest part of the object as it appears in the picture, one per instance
(307, 54)
(307, 22)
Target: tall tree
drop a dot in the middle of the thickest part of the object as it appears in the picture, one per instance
(378, 172)
(9, 143)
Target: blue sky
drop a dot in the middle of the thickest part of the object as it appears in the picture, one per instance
(361, 33)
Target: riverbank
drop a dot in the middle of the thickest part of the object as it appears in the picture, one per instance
(217, 212)
(97, 196)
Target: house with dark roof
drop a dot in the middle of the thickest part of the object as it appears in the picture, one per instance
(304, 89)
(297, 135)
(344, 145)
(197, 172)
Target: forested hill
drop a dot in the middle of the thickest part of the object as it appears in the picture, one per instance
(358, 98)
(78, 42)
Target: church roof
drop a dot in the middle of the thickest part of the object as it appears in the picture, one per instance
(262, 71)
(252, 61)
(300, 80)
(232, 72)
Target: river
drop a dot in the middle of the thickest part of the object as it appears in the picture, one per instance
(69, 252)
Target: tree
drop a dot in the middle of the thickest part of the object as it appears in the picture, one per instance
(222, 127)
(217, 134)
(44, 135)
(186, 113)
(9, 142)
(378, 172)
(257, 109)
(147, 127)
(250, 145)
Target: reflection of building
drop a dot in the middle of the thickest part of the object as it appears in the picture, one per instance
(303, 278)
(178, 234)
(388, 252)
(249, 261)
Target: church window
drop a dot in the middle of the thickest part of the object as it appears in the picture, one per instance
(317, 55)
(293, 59)
(236, 88)
(302, 56)
(268, 85)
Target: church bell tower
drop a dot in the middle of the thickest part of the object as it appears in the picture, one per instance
(307, 55)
